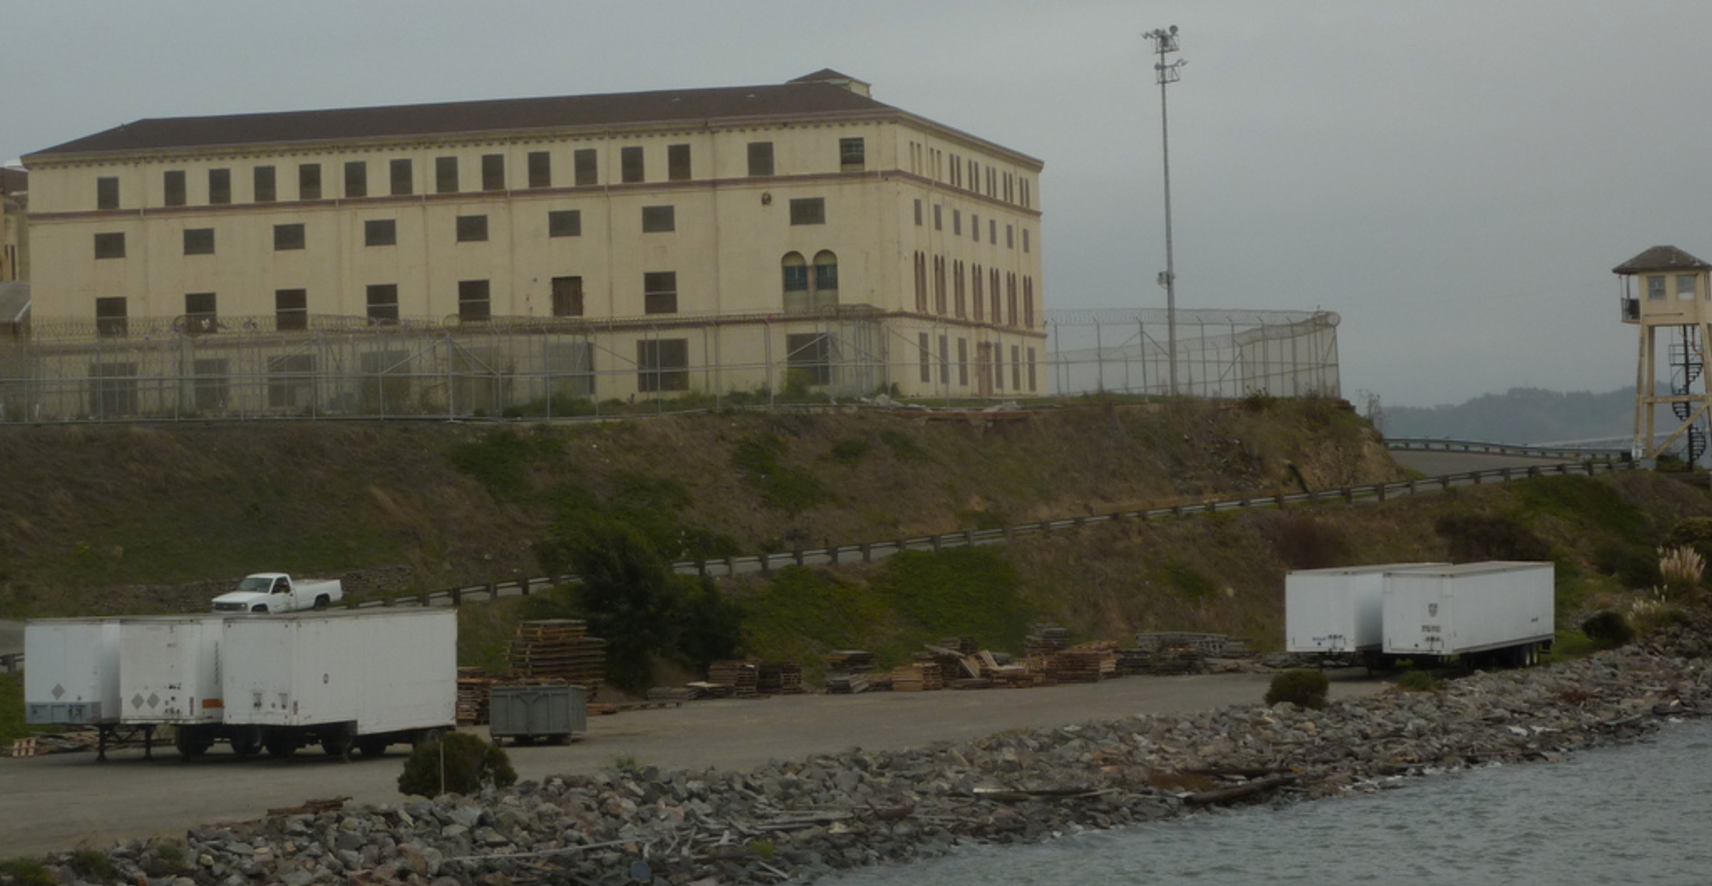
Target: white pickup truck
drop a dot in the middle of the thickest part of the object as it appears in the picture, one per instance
(277, 592)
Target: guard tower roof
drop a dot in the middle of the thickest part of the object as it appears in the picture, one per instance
(1661, 258)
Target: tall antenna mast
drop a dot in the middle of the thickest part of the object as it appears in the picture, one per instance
(1164, 42)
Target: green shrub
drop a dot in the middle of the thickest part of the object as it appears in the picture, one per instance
(1608, 628)
(93, 864)
(849, 450)
(470, 764)
(1418, 681)
(903, 446)
(1635, 566)
(1472, 537)
(1301, 687)
(24, 872)
(12, 725)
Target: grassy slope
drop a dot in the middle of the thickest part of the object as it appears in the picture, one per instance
(134, 519)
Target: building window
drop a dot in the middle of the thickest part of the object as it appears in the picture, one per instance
(200, 312)
(678, 162)
(926, 358)
(992, 231)
(287, 237)
(291, 382)
(957, 222)
(493, 172)
(808, 357)
(565, 223)
(588, 166)
(210, 390)
(760, 158)
(107, 192)
(1028, 302)
(938, 217)
(1010, 300)
(1025, 243)
(309, 181)
(1010, 236)
(945, 359)
(263, 181)
(974, 175)
(567, 296)
(957, 302)
(540, 169)
(658, 218)
(111, 318)
(382, 304)
(473, 303)
(920, 283)
(974, 227)
(939, 285)
(357, 178)
(472, 228)
(173, 181)
(975, 294)
(794, 270)
(113, 389)
(963, 362)
(1685, 286)
(445, 175)
(1031, 385)
(825, 279)
(110, 245)
(918, 212)
(660, 292)
(1016, 368)
(290, 310)
(998, 366)
(630, 165)
(198, 241)
(663, 364)
(808, 211)
(993, 293)
(403, 176)
(852, 154)
(380, 232)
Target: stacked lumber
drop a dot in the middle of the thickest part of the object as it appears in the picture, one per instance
(1044, 640)
(780, 678)
(961, 645)
(558, 648)
(847, 670)
(743, 677)
(41, 744)
(673, 693)
(473, 686)
(1086, 663)
(921, 676)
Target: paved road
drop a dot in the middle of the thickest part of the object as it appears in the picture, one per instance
(68, 800)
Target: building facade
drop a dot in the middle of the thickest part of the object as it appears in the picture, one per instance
(14, 232)
(697, 240)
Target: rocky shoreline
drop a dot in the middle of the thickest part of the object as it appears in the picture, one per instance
(801, 820)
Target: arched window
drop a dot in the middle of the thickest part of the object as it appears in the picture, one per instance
(795, 272)
(825, 280)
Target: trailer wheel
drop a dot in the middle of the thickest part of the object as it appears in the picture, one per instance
(246, 742)
(280, 745)
(372, 746)
(192, 742)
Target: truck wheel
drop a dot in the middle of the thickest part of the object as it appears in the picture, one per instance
(339, 747)
(372, 746)
(261, 609)
(280, 745)
(321, 602)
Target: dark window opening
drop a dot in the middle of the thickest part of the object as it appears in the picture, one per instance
(630, 165)
(658, 218)
(265, 187)
(173, 181)
(309, 181)
(808, 211)
(111, 317)
(357, 178)
(663, 365)
(403, 175)
(382, 304)
(760, 158)
(200, 312)
(380, 232)
(445, 175)
(852, 154)
(493, 172)
(567, 296)
(472, 228)
(291, 310)
(198, 241)
(473, 303)
(540, 169)
(660, 292)
(678, 162)
(287, 237)
(588, 168)
(110, 245)
(565, 223)
(107, 192)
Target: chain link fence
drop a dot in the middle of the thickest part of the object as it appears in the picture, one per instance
(309, 366)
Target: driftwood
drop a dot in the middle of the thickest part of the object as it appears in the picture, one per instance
(312, 807)
(1237, 792)
(1014, 795)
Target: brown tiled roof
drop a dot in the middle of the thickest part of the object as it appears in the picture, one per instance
(810, 96)
(1661, 258)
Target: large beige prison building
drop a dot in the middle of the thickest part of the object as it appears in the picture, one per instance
(604, 245)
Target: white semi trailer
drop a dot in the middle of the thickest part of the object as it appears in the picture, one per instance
(169, 675)
(342, 679)
(73, 675)
(1337, 614)
(1493, 613)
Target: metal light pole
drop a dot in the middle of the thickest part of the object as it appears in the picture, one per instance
(1165, 41)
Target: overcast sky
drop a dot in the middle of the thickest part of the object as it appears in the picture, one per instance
(1455, 179)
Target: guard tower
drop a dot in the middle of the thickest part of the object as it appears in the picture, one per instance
(1669, 296)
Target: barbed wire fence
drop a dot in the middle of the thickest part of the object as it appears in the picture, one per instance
(320, 367)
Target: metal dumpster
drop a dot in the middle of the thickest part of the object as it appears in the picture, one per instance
(529, 713)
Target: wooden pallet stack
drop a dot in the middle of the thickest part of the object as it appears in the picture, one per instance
(921, 676)
(1044, 640)
(473, 686)
(560, 649)
(1086, 663)
(847, 671)
(780, 678)
(743, 677)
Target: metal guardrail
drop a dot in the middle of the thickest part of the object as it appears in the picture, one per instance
(868, 552)
(1433, 444)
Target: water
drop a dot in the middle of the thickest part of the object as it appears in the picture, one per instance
(1641, 813)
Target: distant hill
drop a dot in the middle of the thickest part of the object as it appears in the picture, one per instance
(1521, 416)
